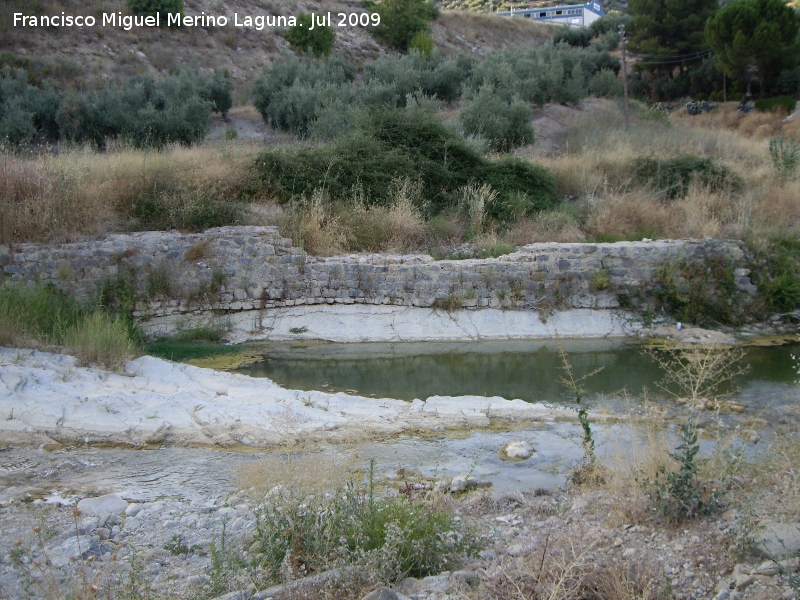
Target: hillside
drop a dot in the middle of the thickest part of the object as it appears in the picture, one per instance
(494, 5)
(78, 56)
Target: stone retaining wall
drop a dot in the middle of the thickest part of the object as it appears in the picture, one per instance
(252, 268)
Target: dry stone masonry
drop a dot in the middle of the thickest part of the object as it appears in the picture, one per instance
(255, 268)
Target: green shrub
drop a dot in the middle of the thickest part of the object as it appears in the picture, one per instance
(217, 89)
(156, 7)
(32, 315)
(578, 38)
(422, 42)
(27, 113)
(541, 74)
(783, 104)
(604, 84)
(701, 294)
(522, 189)
(672, 176)
(293, 94)
(398, 536)
(401, 20)
(143, 111)
(317, 41)
(431, 74)
(505, 124)
(679, 493)
(41, 314)
(391, 145)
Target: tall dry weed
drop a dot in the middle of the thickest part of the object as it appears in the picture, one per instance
(399, 226)
(313, 226)
(54, 197)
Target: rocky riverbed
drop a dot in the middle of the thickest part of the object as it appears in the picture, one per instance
(148, 516)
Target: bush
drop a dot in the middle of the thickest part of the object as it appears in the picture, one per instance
(391, 145)
(604, 84)
(44, 315)
(27, 113)
(783, 104)
(679, 494)
(541, 74)
(401, 20)
(156, 7)
(431, 74)
(217, 89)
(505, 124)
(422, 42)
(142, 111)
(672, 176)
(317, 41)
(396, 536)
(522, 189)
(578, 38)
(293, 94)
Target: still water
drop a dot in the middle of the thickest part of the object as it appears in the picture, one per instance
(530, 370)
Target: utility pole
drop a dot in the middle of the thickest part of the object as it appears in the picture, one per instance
(624, 74)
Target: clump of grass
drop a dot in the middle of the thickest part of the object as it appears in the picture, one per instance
(43, 316)
(101, 340)
(399, 226)
(785, 156)
(36, 315)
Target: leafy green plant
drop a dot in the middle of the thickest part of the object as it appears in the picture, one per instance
(306, 36)
(785, 156)
(588, 471)
(392, 145)
(176, 546)
(601, 280)
(679, 494)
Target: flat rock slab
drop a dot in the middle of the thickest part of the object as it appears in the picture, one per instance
(778, 541)
(110, 504)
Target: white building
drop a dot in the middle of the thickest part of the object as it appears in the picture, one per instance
(579, 15)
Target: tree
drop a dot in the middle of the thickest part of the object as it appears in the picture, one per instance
(673, 28)
(754, 36)
(306, 37)
(401, 20)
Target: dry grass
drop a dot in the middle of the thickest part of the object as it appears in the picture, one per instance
(548, 226)
(567, 565)
(54, 197)
(465, 30)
